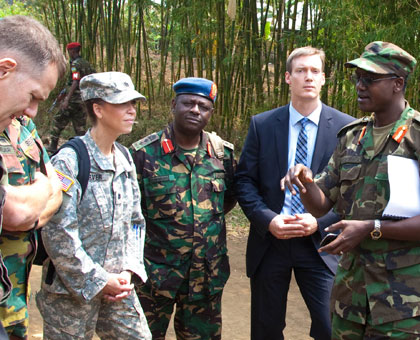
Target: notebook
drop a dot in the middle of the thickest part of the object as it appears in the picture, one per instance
(404, 182)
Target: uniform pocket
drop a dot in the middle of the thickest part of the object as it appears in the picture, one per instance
(161, 196)
(218, 195)
(350, 168)
(402, 278)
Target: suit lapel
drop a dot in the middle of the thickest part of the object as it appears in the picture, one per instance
(282, 138)
(323, 137)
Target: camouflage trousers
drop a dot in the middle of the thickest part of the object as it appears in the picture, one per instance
(76, 114)
(67, 318)
(407, 329)
(17, 250)
(194, 320)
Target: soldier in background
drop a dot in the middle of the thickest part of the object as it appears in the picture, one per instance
(185, 176)
(27, 76)
(376, 292)
(71, 106)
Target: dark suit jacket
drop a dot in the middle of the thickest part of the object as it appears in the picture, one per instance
(263, 164)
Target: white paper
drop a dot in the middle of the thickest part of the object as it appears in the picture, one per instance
(404, 182)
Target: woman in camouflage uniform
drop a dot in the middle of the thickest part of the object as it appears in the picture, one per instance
(96, 240)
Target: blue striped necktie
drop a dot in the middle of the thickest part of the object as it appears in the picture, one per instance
(300, 158)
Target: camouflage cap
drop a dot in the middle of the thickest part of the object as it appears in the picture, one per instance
(198, 86)
(384, 58)
(112, 87)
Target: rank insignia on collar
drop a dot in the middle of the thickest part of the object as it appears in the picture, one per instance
(209, 149)
(362, 134)
(167, 146)
(400, 133)
(66, 181)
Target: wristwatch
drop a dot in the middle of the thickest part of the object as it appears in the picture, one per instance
(376, 232)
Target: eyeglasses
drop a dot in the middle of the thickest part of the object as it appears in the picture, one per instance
(367, 81)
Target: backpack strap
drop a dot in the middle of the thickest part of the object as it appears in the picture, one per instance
(217, 144)
(83, 160)
(123, 150)
(41, 253)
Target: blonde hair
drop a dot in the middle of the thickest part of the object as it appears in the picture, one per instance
(304, 51)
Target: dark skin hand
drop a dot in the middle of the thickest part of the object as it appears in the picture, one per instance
(352, 233)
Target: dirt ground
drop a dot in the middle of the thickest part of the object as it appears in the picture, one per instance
(236, 301)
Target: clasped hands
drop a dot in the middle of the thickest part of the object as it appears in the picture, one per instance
(118, 287)
(352, 232)
(299, 225)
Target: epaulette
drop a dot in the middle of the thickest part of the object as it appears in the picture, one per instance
(145, 141)
(360, 121)
(416, 119)
(229, 145)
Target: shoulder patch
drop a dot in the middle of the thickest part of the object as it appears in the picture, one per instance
(66, 181)
(145, 141)
(361, 121)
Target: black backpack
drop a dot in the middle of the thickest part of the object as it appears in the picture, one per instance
(83, 178)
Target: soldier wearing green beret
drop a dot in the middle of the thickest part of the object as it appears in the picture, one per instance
(376, 293)
(185, 177)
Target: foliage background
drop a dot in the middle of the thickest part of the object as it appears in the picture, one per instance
(241, 44)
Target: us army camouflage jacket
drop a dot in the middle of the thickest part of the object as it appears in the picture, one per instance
(5, 284)
(385, 271)
(183, 207)
(102, 233)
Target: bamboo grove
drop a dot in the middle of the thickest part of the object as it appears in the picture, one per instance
(241, 44)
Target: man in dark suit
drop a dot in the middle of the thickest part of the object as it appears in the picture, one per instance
(283, 237)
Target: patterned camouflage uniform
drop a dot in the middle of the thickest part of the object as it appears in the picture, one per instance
(75, 112)
(5, 284)
(86, 240)
(186, 256)
(22, 158)
(379, 280)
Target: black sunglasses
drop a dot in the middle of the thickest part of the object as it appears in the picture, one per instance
(367, 81)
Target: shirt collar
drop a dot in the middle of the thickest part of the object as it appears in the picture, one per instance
(314, 116)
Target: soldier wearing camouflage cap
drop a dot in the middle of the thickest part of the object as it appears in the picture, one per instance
(71, 106)
(95, 242)
(185, 176)
(376, 293)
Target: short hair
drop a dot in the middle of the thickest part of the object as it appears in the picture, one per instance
(89, 108)
(303, 52)
(78, 49)
(32, 42)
